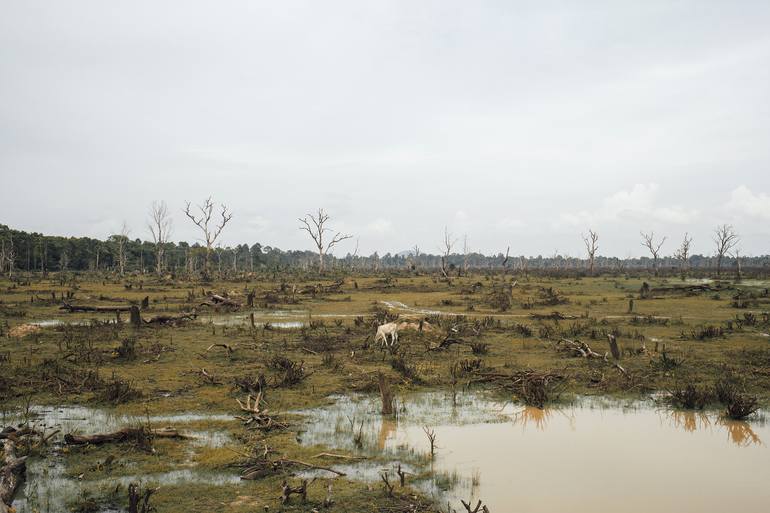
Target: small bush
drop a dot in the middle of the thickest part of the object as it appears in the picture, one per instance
(690, 397)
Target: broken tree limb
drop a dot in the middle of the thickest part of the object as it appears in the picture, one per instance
(230, 349)
(209, 378)
(171, 319)
(122, 435)
(577, 348)
(12, 474)
(86, 308)
(317, 467)
(339, 456)
(217, 300)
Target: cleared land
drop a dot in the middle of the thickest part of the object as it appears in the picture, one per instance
(534, 339)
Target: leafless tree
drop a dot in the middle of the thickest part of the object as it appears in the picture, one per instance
(414, 256)
(591, 241)
(210, 228)
(506, 258)
(683, 253)
(160, 226)
(7, 257)
(466, 254)
(726, 239)
(524, 265)
(648, 241)
(736, 254)
(315, 226)
(354, 256)
(121, 240)
(446, 250)
(64, 260)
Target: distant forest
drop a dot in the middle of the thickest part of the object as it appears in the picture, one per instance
(23, 251)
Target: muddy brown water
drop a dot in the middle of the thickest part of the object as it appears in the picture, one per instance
(591, 456)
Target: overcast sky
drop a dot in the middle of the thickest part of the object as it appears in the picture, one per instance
(520, 123)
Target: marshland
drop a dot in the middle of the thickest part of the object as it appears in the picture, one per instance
(269, 388)
(384, 257)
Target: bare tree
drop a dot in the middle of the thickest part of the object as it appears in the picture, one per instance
(648, 241)
(466, 253)
(315, 226)
(7, 257)
(354, 256)
(446, 250)
(414, 256)
(120, 240)
(592, 246)
(64, 260)
(160, 225)
(683, 253)
(736, 254)
(209, 228)
(505, 260)
(726, 239)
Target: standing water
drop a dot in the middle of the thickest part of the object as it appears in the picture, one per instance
(587, 457)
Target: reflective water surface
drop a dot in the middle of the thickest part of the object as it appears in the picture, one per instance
(592, 456)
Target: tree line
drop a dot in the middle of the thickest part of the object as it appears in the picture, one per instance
(122, 254)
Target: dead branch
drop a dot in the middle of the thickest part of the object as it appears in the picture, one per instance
(12, 474)
(122, 435)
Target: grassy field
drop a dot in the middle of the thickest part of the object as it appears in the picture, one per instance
(494, 327)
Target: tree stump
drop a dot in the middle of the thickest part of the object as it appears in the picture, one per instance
(136, 318)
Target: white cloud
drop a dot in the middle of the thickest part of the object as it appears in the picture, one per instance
(744, 202)
(638, 204)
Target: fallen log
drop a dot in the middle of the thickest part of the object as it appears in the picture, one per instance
(122, 435)
(99, 309)
(553, 316)
(217, 300)
(230, 349)
(172, 319)
(577, 348)
(11, 474)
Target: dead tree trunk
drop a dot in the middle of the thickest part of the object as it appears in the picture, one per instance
(614, 346)
(121, 435)
(136, 318)
(139, 502)
(11, 474)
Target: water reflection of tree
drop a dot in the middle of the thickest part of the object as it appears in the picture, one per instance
(539, 417)
(689, 421)
(387, 428)
(739, 432)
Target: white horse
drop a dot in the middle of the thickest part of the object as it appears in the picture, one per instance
(392, 328)
(384, 330)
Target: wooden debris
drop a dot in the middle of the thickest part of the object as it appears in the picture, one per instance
(12, 473)
(577, 348)
(122, 435)
(230, 349)
(258, 417)
(217, 300)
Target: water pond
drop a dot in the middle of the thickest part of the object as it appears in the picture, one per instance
(592, 455)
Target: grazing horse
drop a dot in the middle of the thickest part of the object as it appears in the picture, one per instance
(392, 329)
(384, 330)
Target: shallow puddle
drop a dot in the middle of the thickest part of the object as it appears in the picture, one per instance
(86, 420)
(49, 490)
(595, 455)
